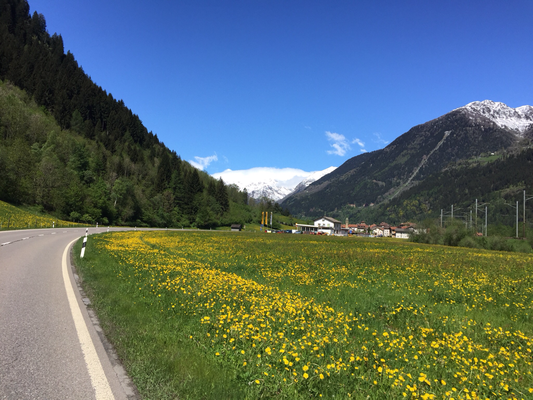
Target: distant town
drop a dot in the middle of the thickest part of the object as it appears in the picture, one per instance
(331, 226)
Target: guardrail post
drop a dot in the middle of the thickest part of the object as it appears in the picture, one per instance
(84, 243)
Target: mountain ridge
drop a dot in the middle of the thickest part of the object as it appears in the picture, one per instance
(425, 149)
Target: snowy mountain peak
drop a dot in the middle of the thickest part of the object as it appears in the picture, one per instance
(517, 119)
(273, 183)
(314, 176)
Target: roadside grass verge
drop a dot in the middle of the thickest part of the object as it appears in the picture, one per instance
(12, 217)
(156, 351)
(231, 315)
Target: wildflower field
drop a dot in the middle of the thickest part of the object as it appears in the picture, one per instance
(12, 217)
(233, 315)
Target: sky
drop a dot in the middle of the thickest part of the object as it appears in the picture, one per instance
(295, 84)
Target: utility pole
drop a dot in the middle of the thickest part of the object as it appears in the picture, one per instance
(443, 214)
(524, 220)
(515, 207)
(517, 219)
(476, 216)
(477, 209)
(486, 232)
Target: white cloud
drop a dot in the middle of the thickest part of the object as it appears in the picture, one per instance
(203, 162)
(379, 139)
(359, 142)
(338, 142)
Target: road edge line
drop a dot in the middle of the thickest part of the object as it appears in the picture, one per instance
(99, 381)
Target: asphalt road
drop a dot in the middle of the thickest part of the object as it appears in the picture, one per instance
(50, 343)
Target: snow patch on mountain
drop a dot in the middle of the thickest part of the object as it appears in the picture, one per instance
(273, 183)
(315, 176)
(518, 119)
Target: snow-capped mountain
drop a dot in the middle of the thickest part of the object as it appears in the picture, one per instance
(518, 120)
(272, 183)
(270, 190)
(315, 176)
(480, 127)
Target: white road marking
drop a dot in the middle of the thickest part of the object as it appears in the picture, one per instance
(25, 238)
(94, 367)
(42, 234)
(6, 243)
(53, 233)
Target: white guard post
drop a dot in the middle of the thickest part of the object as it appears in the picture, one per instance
(84, 243)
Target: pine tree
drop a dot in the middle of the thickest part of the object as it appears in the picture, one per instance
(193, 189)
(222, 195)
(164, 173)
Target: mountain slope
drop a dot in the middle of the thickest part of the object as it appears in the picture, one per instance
(313, 177)
(499, 182)
(479, 127)
(70, 148)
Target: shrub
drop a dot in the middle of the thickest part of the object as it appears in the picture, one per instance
(455, 233)
(469, 241)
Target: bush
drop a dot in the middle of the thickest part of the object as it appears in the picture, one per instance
(469, 241)
(499, 243)
(429, 233)
(520, 246)
(455, 233)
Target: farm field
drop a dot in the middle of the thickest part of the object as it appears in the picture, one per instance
(233, 315)
(12, 217)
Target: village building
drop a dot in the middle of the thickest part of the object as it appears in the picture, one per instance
(385, 229)
(330, 226)
(403, 233)
(324, 225)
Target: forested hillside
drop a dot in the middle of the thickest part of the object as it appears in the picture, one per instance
(496, 181)
(70, 147)
(379, 176)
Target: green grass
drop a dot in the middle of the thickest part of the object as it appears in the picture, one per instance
(224, 315)
(12, 217)
(155, 350)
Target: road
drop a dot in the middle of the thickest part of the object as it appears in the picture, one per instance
(50, 343)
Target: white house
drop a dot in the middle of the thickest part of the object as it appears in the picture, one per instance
(324, 225)
(402, 233)
(378, 231)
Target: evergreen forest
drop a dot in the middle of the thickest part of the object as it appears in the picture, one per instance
(72, 150)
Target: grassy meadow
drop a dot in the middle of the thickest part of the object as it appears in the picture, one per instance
(12, 217)
(201, 315)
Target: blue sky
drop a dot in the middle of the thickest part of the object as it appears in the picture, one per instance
(299, 84)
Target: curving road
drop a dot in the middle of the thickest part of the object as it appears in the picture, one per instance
(50, 344)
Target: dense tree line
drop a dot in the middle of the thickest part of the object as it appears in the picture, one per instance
(71, 148)
(36, 62)
(80, 179)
